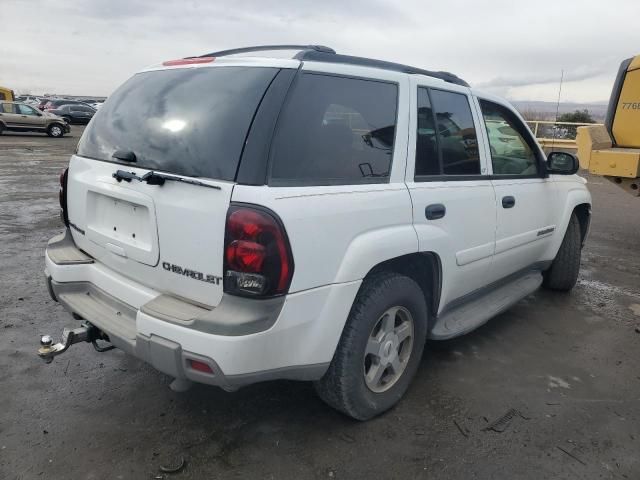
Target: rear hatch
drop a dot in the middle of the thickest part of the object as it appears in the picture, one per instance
(188, 126)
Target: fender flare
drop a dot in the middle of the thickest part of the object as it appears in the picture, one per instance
(575, 196)
(374, 247)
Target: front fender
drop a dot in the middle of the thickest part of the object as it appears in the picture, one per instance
(574, 195)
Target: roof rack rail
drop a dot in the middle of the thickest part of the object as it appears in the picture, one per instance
(262, 48)
(320, 53)
(320, 56)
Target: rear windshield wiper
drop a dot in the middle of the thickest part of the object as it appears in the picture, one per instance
(153, 178)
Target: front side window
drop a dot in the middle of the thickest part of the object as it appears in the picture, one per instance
(335, 131)
(25, 110)
(511, 152)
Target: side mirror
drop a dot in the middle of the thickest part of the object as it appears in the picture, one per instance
(562, 163)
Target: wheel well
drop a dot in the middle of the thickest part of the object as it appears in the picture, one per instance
(424, 268)
(583, 212)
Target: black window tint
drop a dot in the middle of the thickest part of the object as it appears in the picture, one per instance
(335, 130)
(509, 141)
(189, 121)
(427, 161)
(456, 133)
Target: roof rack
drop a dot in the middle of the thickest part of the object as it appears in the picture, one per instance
(262, 48)
(318, 56)
(320, 53)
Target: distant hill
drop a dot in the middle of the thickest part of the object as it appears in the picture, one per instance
(547, 110)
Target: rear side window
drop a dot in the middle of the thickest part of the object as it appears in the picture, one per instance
(446, 140)
(427, 157)
(190, 121)
(456, 133)
(335, 131)
(7, 108)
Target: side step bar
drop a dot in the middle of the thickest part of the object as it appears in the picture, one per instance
(476, 312)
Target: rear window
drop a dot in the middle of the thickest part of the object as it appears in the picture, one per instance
(190, 122)
(335, 130)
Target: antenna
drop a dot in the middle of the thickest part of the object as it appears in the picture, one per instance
(555, 122)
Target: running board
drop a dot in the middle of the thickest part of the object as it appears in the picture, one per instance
(474, 313)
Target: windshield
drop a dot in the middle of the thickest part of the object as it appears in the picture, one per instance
(190, 121)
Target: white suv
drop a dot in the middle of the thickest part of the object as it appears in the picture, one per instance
(234, 219)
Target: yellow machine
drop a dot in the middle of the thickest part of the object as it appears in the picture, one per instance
(613, 149)
(6, 94)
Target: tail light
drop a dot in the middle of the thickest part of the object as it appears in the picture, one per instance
(257, 254)
(62, 196)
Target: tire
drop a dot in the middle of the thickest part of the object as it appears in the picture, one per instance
(55, 130)
(1, 128)
(563, 273)
(68, 119)
(344, 386)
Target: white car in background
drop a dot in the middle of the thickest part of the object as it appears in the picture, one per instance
(504, 139)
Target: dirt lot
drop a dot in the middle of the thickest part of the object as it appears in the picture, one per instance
(569, 365)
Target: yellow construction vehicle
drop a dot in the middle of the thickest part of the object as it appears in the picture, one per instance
(6, 94)
(613, 149)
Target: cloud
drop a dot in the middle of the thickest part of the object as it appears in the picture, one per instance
(575, 75)
(513, 48)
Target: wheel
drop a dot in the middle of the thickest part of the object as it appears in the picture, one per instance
(380, 348)
(1, 128)
(55, 131)
(563, 273)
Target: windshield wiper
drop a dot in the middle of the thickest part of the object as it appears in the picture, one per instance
(153, 178)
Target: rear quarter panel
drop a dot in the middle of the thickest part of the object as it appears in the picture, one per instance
(338, 233)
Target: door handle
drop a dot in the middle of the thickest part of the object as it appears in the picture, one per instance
(508, 201)
(435, 211)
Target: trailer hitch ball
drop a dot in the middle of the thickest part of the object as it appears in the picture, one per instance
(85, 333)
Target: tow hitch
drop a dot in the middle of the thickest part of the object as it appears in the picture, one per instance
(85, 333)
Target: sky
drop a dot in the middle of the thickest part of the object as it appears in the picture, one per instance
(514, 48)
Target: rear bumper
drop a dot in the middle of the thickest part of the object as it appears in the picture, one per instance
(293, 338)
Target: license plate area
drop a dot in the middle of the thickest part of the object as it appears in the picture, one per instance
(124, 224)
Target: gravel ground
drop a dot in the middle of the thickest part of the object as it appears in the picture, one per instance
(562, 371)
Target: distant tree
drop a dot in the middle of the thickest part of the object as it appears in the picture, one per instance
(579, 116)
(530, 115)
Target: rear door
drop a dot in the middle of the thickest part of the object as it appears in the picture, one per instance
(189, 123)
(454, 209)
(9, 114)
(524, 194)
